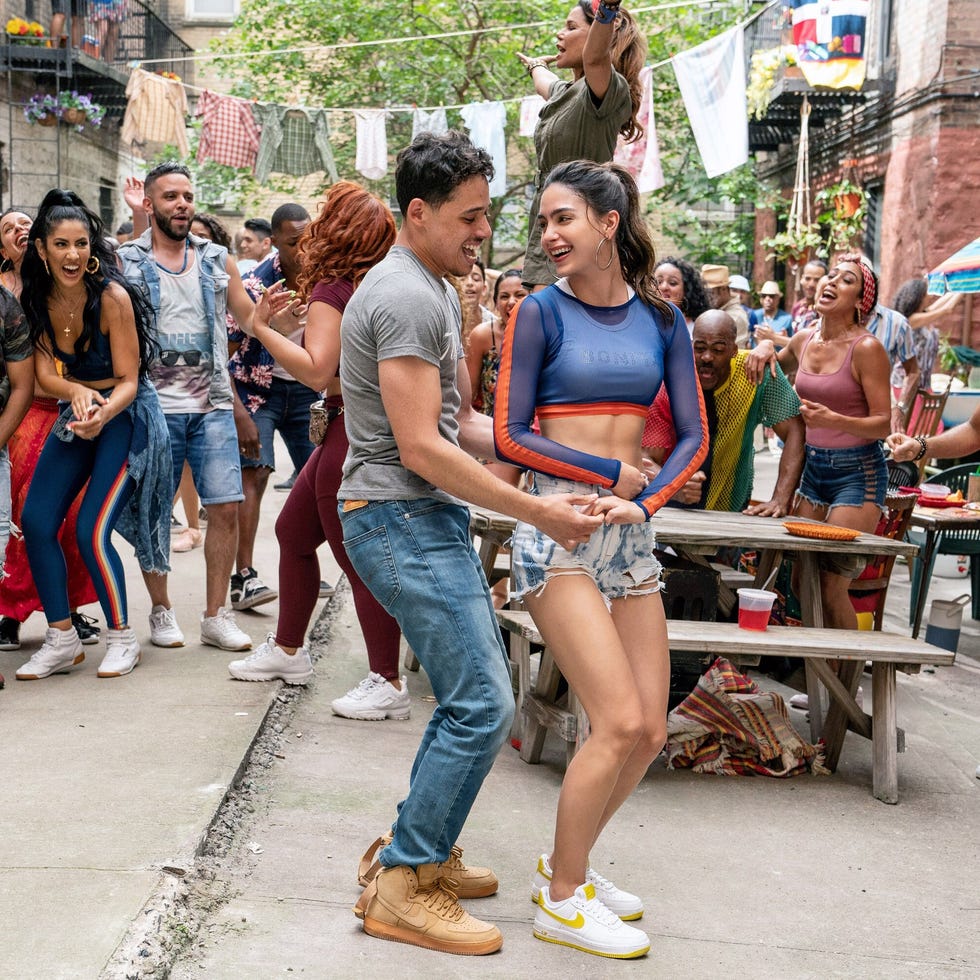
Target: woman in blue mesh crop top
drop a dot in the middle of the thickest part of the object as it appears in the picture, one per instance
(90, 333)
(587, 355)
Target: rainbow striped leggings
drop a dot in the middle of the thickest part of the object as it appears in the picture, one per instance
(61, 472)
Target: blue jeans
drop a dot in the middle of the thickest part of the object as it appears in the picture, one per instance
(844, 477)
(209, 443)
(286, 408)
(416, 558)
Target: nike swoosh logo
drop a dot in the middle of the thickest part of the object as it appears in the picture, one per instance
(575, 923)
(413, 915)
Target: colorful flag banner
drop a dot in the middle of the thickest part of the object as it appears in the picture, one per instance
(830, 41)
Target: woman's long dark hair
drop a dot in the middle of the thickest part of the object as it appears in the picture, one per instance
(910, 295)
(695, 300)
(58, 206)
(609, 187)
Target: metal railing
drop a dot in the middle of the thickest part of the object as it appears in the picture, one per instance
(141, 36)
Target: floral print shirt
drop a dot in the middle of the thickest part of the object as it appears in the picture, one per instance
(251, 365)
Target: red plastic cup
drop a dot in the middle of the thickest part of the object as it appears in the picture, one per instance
(754, 607)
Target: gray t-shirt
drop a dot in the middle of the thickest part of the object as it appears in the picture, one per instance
(399, 310)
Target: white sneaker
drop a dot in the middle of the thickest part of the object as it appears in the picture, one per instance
(222, 631)
(584, 923)
(270, 662)
(122, 653)
(60, 651)
(374, 699)
(164, 631)
(627, 906)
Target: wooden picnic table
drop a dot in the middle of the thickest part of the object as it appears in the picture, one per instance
(934, 522)
(696, 533)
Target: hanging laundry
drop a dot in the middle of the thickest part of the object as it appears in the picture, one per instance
(711, 78)
(294, 141)
(642, 157)
(429, 121)
(229, 134)
(486, 122)
(531, 106)
(155, 117)
(371, 159)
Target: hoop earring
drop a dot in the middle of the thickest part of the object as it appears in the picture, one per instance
(7, 265)
(88, 265)
(612, 253)
(46, 269)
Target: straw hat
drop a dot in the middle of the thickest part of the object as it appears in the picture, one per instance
(770, 288)
(714, 276)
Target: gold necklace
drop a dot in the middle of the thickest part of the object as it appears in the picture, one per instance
(71, 313)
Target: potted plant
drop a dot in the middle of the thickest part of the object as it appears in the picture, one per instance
(794, 245)
(76, 109)
(763, 74)
(844, 209)
(41, 109)
(25, 31)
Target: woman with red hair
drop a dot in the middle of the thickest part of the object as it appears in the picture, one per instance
(353, 232)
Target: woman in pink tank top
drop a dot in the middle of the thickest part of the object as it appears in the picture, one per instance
(842, 379)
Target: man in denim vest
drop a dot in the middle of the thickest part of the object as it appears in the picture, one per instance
(190, 282)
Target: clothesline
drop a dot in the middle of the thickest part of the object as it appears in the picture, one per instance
(344, 45)
(390, 108)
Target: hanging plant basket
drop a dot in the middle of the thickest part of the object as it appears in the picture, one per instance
(846, 205)
(73, 116)
(48, 119)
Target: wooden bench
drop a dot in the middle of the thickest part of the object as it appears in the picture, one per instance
(888, 652)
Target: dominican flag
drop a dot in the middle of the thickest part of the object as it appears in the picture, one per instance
(830, 40)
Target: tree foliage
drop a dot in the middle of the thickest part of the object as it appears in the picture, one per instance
(285, 56)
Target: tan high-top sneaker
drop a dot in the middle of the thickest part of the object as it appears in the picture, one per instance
(417, 907)
(467, 882)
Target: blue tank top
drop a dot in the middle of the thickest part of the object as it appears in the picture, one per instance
(93, 364)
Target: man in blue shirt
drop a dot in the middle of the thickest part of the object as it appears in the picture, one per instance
(770, 322)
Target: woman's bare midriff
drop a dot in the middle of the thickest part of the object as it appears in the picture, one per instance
(610, 436)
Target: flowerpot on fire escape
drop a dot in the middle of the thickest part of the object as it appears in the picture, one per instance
(48, 119)
(73, 116)
(846, 205)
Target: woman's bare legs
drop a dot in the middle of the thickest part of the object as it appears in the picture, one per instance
(618, 666)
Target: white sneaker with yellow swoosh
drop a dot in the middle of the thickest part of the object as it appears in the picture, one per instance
(584, 923)
(625, 904)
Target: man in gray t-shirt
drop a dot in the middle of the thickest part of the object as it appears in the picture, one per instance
(411, 427)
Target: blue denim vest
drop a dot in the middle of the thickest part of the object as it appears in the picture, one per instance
(211, 259)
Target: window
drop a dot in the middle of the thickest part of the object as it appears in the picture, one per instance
(872, 229)
(212, 10)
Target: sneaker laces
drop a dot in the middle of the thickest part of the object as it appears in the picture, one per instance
(366, 686)
(441, 899)
(263, 649)
(593, 876)
(602, 913)
(455, 860)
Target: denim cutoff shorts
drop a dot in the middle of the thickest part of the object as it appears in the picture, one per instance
(618, 557)
(847, 477)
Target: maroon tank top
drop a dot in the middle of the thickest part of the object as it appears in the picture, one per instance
(840, 393)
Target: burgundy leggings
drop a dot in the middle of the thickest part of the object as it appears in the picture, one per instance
(309, 518)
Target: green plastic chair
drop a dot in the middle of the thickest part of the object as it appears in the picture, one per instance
(966, 542)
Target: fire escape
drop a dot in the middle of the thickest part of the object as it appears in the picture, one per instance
(34, 158)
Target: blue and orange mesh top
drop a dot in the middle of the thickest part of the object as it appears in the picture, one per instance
(562, 357)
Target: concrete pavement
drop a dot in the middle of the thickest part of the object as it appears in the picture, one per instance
(109, 781)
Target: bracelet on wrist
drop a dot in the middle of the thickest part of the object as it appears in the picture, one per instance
(606, 13)
(921, 440)
(536, 63)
